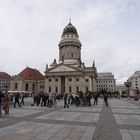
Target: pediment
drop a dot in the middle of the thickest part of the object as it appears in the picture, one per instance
(17, 78)
(63, 68)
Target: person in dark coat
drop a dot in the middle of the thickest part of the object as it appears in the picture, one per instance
(106, 99)
(46, 97)
(38, 99)
(65, 100)
(17, 96)
(95, 99)
(89, 99)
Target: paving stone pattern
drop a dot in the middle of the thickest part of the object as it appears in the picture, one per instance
(107, 128)
(121, 120)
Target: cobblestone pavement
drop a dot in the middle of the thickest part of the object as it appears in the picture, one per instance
(119, 121)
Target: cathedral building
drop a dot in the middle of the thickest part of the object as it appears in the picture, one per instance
(70, 74)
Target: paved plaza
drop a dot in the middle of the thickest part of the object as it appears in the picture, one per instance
(119, 121)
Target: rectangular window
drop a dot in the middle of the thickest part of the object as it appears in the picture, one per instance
(86, 80)
(49, 89)
(50, 80)
(69, 89)
(56, 89)
(70, 79)
(41, 86)
(33, 87)
(16, 85)
(77, 89)
(56, 80)
(26, 86)
(86, 89)
(77, 79)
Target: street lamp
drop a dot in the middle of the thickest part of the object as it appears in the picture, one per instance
(128, 84)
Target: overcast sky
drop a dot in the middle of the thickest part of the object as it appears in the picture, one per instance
(109, 31)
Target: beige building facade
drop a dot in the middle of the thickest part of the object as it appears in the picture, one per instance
(29, 80)
(70, 74)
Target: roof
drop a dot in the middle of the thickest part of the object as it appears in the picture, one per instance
(4, 75)
(31, 74)
(69, 29)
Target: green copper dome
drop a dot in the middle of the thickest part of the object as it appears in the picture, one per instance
(69, 29)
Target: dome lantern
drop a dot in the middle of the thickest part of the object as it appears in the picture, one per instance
(69, 29)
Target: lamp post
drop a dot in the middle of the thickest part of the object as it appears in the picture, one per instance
(128, 84)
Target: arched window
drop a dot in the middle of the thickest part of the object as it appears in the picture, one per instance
(56, 89)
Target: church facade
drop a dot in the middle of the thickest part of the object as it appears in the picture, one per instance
(70, 74)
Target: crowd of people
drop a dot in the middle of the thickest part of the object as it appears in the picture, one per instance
(78, 99)
(50, 100)
(82, 99)
(45, 99)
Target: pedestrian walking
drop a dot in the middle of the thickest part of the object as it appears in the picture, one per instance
(65, 100)
(84, 100)
(22, 99)
(6, 104)
(16, 101)
(45, 99)
(77, 100)
(50, 101)
(42, 99)
(106, 99)
(89, 99)
(95, 99)
(35, 98)
(81, 98)
(38, 99)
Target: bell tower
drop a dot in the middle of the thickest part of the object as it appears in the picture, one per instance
(70, 46)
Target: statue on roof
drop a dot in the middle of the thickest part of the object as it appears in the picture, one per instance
(54, 62)
(93, 65)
